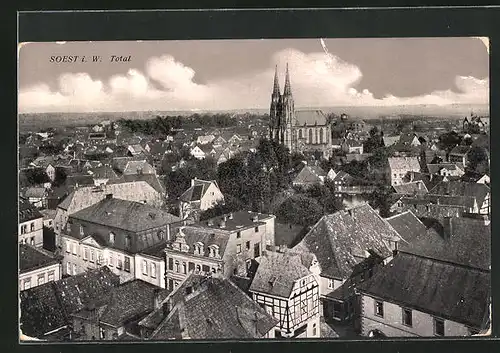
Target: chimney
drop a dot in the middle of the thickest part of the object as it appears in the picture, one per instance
(222, 224)
(231, 215)
(447, 227)
(109, 196)
(255, 218)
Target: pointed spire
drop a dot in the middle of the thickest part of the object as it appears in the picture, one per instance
(288, 89)
(276, 89)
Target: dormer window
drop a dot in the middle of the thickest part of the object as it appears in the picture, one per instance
(198, 249)
(161, 234)
(127, 242)
(213, 251)
(111, 237)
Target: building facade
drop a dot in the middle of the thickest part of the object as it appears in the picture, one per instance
(30, 227)
(36, 267)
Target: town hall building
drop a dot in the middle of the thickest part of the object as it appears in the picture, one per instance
(301, 130)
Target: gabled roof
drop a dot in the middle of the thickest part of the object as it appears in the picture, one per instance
(197, 190)
(277, 274)
(48, 307)
(103, 172)
(31, 258)
(27, 211)
(310, 175)
(310, 117)
(454, 292)
(343, 176)
(151, 179)
(35, 192)
(460, 150)
(410, 229)
(216, 309)
(138, 167)
(340, 240)
(128, 215)
(436, 168)
(390, 140)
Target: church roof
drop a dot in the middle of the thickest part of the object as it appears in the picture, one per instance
(310, 117)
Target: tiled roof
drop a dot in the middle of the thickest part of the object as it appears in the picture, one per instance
(123, 214)
(104, 172)
(196, 190)
(343, 176)
(287, 234)
(216, 309)
(235, 221)
(31, 258)
(458, 188)
(206, 236)
(341, 239)
(406, 163)
(411, 188)
(27, 211)
(469, 242)
(152, 179)
(458, 293)
(409, 228)
(310, 175)
(435, 168)
(138, 167)
(157, 250)
(48, 307)
(460, 150)
(390, 140)
(87, 196)
(277, 274)
(310, 117)
(35, 192)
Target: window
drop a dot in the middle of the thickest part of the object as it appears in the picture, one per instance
(214, 270)
(170, 264)
(102, 333)
(161, 234)
(144, 267)
(127, 264)
(238, 235)
(74, 269)
(99, 258)
(112, 237)
(330, 283)
(68, 247)
(176, 284)
(153, 270)
(111, 260)
(379, 308)
(407, 317)
(85, 253)
(314, 325)
(92, 256)
(438, 327)
(32, 226)
(32, 241)
(238, 248)
(27, 283)
(190, 266)
(127, 242)
(119, 264)
(41, 279)
(50, 276)
(184, 268)
(337, 310)
(205, 268)
(256, 250)
(177, 267)
(170, 284)
(247, 245)
(256, 229)
(198, 268)
(73, 246)
(81, 230)
(68, 268)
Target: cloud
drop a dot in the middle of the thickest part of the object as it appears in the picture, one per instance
(318, 79)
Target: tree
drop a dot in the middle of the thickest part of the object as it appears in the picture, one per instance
(380, 199)
(300, 209)
(449, 140)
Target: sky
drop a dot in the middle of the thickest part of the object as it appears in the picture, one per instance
(238, 74)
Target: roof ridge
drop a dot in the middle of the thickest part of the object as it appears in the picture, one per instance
(446, 262)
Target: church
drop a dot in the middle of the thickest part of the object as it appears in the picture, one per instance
(299, 130)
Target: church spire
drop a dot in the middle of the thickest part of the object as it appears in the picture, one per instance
(288, 89)
(276, 88)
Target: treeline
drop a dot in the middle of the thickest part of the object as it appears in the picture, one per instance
(163, 125)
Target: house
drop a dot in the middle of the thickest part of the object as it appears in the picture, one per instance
(310, 175)
(446, 169)
(352, 146)
(117, 313)
(485, 179)
(225, 244)
(390, 140)
(48, 217)
(206, 139)
(438, 284)
(349, 246)
(337, 144)
(30, 224)
(219, 141)
(197, 152)
(111, 232)
(331, 174)
(234, 139)
(480, 193)
(409, 140)
(83, 197)
(459, 155)
(285, 287)
(201, 195)
(342, 180)
(36, 267)
(399, 167)
(207, 308)
(46, 309)
(102, 174)
(37, 196)
(416, 296)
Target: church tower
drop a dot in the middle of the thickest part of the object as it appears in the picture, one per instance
(274, 112)
(288, 114)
